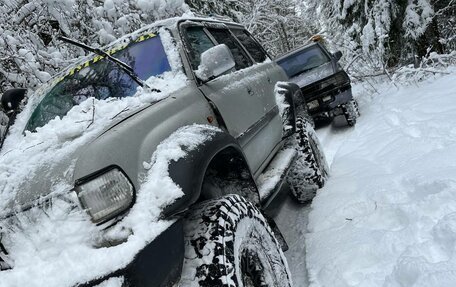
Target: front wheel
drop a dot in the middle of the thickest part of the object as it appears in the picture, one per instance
(351, 112)
(229, 243)
(310, 170)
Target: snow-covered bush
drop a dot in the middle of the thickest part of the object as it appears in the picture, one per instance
(433, 64)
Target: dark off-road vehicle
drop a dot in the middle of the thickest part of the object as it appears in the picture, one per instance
(324, 84)
(153, 164)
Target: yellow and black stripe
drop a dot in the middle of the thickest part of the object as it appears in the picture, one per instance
(110, 52)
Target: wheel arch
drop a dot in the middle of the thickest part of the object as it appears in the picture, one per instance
(190, 172)
(294, 100)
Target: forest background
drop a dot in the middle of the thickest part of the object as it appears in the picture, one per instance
(377, 37)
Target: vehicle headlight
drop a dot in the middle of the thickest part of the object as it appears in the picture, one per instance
(312, 105)
(106, 195)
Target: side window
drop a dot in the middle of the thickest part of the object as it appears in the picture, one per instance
(255, 50)
(223, 36)
(199, 42)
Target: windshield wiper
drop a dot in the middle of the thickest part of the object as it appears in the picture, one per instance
(126, 68)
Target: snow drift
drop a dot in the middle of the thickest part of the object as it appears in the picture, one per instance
(387, 216)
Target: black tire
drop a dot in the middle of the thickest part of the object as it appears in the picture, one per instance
(310, 170)
(229, 243)
(351, 112)
(355, 102)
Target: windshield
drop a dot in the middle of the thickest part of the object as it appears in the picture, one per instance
(303, 61)
(102, 79)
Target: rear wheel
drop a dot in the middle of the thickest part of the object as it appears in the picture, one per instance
(310, 170)
(229, 243)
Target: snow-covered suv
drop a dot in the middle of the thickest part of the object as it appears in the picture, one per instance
(324, 84)
(151, 164)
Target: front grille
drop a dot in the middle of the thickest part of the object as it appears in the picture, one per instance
(327, 86)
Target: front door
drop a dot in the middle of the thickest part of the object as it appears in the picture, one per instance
(235, 94)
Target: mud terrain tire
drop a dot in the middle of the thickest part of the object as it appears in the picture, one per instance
(351, 112)
(228, 242)
(310, 170)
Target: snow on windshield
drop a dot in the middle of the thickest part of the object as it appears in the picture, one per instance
(387, 216)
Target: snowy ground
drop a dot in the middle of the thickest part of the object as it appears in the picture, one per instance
(292, 221)
(387, 216)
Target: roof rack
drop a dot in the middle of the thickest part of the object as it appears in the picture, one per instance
(214, 16)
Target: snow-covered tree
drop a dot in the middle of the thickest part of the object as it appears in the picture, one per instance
(29, 56)
(386, 32)
(277, 24)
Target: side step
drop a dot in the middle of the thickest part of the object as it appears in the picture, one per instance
(270, 181)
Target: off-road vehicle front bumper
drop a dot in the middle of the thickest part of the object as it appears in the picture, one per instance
(159, 263)
(325, 97)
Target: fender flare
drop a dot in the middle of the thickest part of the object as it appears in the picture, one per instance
(189, 172)
(292, 96)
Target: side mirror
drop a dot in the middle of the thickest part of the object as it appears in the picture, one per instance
(337, 55)
(215, 62)
(11, 99)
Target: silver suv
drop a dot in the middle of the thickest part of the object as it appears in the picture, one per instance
(154, 163)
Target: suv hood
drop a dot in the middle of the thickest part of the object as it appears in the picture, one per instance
(36, 180)
(311, 76)
(36, 166)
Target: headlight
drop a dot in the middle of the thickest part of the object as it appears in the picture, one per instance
(312, 105)
(106, 195)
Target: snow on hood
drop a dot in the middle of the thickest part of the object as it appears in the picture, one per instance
(46, 157)
(313, 75)
(55, 246)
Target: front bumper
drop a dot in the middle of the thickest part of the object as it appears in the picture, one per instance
(158, 264)
(331, 107)
(324, 97)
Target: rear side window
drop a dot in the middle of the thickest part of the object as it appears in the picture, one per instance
(199, 42)
(255, 50)
(223, 36)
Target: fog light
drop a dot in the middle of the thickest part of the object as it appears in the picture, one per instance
(327, 99)
(106, 195)
(313, 104)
